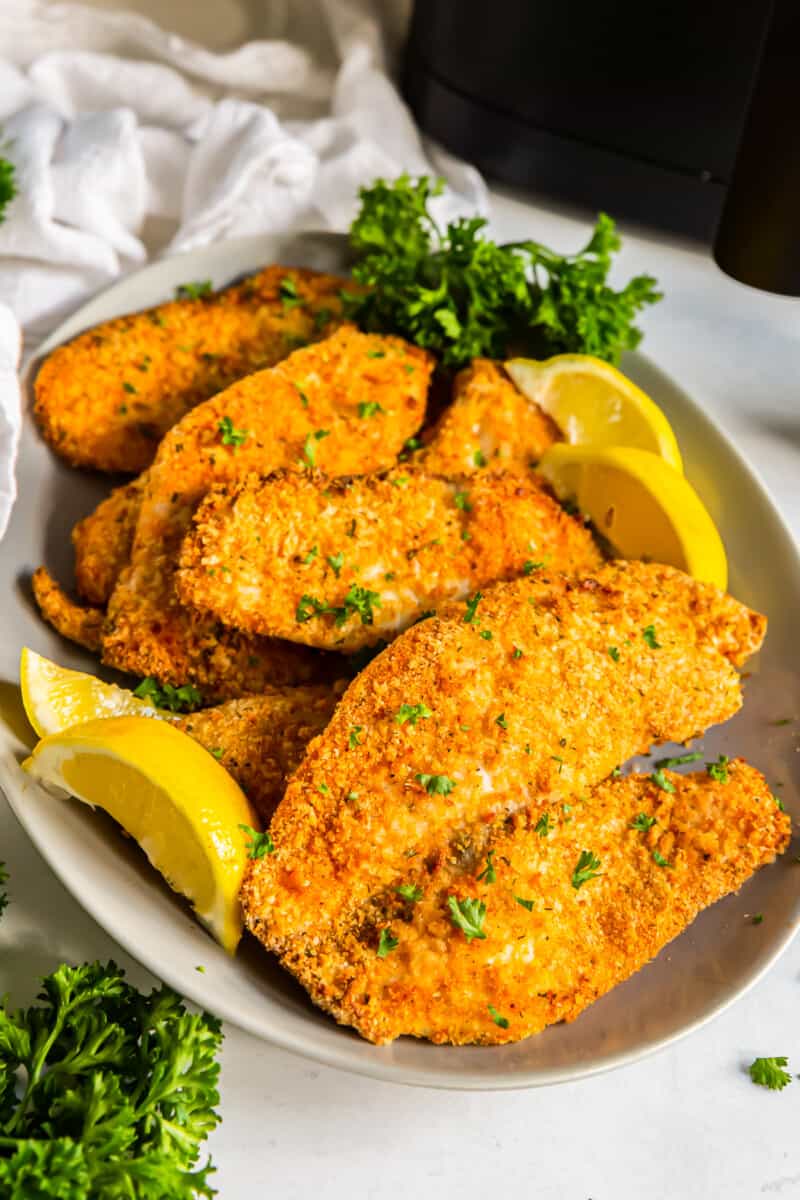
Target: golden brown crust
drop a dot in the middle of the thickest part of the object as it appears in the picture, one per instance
(262, 739)
(489, 423)
(528, 707)
(319, 388)
(258, 555)
(103, 542)
(545, 960)
(105, 399)
(73, 621)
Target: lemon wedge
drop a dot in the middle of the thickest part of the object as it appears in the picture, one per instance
(641, 504)
(594, 404)
(171, 796)
(56, 697)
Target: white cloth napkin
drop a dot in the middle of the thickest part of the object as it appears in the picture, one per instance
(112, 122)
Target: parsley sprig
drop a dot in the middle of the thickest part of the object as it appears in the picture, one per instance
(456, 292)
(585, 869)
(770, 1072)
(468, 915)
(185, 698)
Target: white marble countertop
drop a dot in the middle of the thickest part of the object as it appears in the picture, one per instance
(687, 1123)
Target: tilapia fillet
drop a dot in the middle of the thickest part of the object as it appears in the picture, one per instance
(555, 935)
(341, 564)
(305, 412)
(516, 704)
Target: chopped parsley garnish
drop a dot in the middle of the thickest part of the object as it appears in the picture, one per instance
(719, 770)
(649, 635)
(128, 387)
(472, 607)
(543, 825)
(557, 758)
(386, 943)
(613, 653)
(779, 803)
(436, 785)
(479, 458)
(770, 1073)
(680, 760)
(376, 354)
(321, 318)
(495, 1015)
(486, 634)
(529, 566)
(412, 443)
(353, 739)
(642, 822)
(312, 554)
(231, 436)
(302, 395)
(517, 653)
(310, 446)
(8, 186)
(659, 859)
(336, 562)
(501, 721)
(461, 500)
(185, 698)
(308, 607)
(400, 481)
(193, 291)
(489, 873)
(368, 408)
(660, 780)
(412, 713)
(323, 789)
(468, 915)
(525, 903)
(217, 753)
(260, 843)
(358, 600)
(287, 290)
(758, 918)
(410, 891)
(586, 869)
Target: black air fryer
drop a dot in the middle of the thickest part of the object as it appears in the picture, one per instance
(682, 114)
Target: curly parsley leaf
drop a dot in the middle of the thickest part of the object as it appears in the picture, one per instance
(194, 291)
(410, 891)
(260, 843)
(386, 943)
(495, 1015)
(436, 785)
(185, 698)
(770, 1073)
(230, 435)
(585, 869)
(117, 1090)
(489, 872)
(719, 770)
(463, 296)
(468, 915)
(642, 822)
(412, 713)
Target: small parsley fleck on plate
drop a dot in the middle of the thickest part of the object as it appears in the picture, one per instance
(468, 915)
(193, 291)
(386, 943)
(495, 1015)
(758, 918)
(585, 869)
(680, 761)
(770, 1073)
(260, 843)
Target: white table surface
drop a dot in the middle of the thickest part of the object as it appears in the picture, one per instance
(686, 1124)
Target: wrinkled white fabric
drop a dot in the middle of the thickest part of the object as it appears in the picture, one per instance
(111, 122)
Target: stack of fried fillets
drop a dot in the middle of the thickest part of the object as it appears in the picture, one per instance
(455, 855)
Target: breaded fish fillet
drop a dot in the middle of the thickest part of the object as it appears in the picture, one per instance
(523, 700)
(308, 411)
(550, 935)
(106, 399)
(489, 423)
(262, 739)
(75, 622)
(342, 564)
(103, 542)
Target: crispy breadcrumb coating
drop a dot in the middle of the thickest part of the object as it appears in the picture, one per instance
(106, 399)
(373, 553)
(511, 703)
(304, 411)
(489, 423)
(73, 621)
(550, 948)
(103, 541)
(262, 739)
